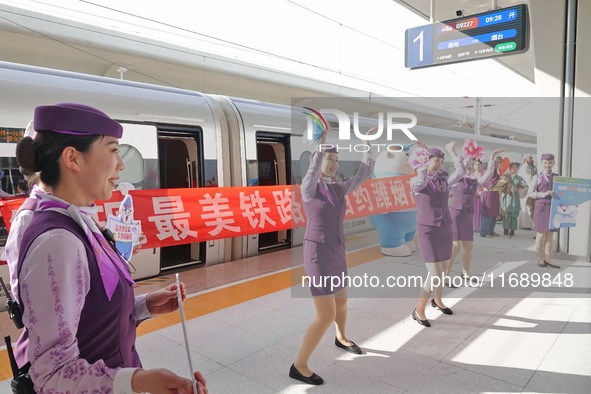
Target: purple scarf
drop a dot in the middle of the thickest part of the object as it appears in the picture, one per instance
(107, 259)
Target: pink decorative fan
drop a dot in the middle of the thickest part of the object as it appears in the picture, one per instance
(472, 150)
(418, 158)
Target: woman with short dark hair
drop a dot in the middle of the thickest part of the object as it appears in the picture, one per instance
(324, 252)
(461, 210)
(431, 188)
(541, 191)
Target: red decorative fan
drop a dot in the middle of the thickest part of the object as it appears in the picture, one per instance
(505, 164)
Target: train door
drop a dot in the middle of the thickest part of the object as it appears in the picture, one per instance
(272, 160)
(138, 150)
(180, 154)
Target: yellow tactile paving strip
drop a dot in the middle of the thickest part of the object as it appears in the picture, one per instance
(216, 300)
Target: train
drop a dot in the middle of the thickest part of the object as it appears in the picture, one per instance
(175, 138)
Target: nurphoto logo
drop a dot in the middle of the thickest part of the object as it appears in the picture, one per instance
(388, 122)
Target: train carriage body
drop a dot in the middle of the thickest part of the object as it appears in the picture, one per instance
(176, 138)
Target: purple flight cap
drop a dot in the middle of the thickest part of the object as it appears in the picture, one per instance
(76, 119)
(435, 152)
(547, 156)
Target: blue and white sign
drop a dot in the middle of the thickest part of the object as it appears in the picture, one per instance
(569, 194)
(484, 35)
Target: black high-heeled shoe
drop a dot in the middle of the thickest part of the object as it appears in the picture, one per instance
(445, 310)
(314, 379)
(418, 319)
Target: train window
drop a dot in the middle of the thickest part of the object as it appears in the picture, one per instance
(10, 178)
(134, 166)
(267, 171)
(253, 173)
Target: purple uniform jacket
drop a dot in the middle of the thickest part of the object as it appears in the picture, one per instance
(107, 329)
(491, 199)
(325, 206)
(463, 194)
(465, 190)
(432, 194)
(325, 219)
(432, 201)
(543, 184)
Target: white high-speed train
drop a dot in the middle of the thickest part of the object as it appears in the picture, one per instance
(176, 138)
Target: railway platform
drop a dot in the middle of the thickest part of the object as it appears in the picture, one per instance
(247, 318)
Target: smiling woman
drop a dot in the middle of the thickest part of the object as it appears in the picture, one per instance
(324, 251)
(77, 303)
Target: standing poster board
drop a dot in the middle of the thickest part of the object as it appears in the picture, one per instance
(569, 193)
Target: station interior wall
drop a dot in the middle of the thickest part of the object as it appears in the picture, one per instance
(549, 45)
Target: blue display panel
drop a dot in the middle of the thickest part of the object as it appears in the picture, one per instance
(489, 34)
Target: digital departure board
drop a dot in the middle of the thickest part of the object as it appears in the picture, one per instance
(489, 34)
(11, 135)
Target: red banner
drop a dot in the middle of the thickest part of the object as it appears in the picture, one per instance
(178, 216)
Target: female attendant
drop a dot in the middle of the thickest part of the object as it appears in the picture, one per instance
(541, 192)
(461, 208)
(19, 223)
(491, 201)
(431, 187)
(324, 252)
(78, 304)
(514, 190)
(527, 171)
(477, 173)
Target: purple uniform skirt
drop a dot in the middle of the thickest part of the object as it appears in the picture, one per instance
(542, 217)
(461, 227)
(435, 242)
(322, 262)
(476, 214)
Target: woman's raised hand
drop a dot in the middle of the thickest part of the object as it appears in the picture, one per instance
(450, 148)
(369, 132)
(494, 153)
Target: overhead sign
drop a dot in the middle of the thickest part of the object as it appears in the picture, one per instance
(489, 34)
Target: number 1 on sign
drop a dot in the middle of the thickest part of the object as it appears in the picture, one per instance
(419, 38)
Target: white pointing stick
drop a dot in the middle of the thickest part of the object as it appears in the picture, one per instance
(180, 298)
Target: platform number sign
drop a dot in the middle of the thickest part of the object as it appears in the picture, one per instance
(419, 46)
(489, 34)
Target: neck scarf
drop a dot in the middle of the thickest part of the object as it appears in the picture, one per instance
(326, 191)
(107, 259)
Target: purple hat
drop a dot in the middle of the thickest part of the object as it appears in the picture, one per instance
(547, 156)
(435, 152)
(77, 119)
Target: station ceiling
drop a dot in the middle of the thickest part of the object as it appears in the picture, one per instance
(82, 48)
(522, 64)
